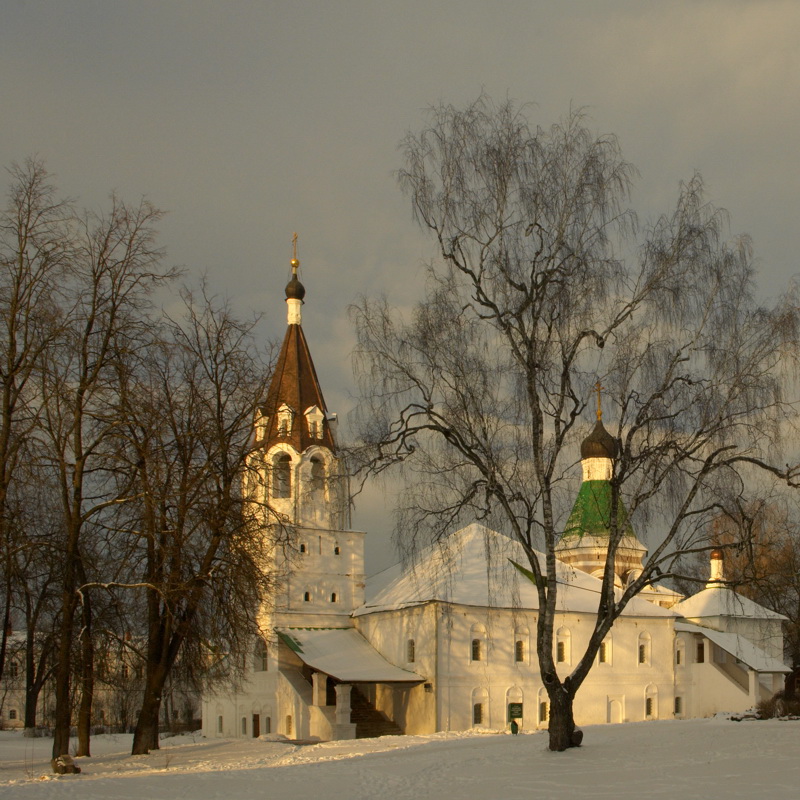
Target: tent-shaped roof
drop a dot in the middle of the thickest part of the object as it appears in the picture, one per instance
(739, 647)
(344, 654)
(471, 567)
(720, 601)
(295, 383)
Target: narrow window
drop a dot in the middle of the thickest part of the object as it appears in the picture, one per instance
(561, 652)
(519, 651)
(678, 705)
(337, 551)
(260, 656)
(476, 650)
(411, 651)
(282, 476)
(602, 655)
(244, 726)
(268, 725)
(285, 415)
(701, 653)
(314, 418)
(643, 650)
(333, 597)
(563, 646)
(543, 711)
(307, 597)
(317, 474)
(648, 707)
(219, 724)
(477, 714)
(678, 656)
(288, 724)
(303, 548)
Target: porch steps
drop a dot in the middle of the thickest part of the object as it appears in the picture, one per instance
(369, 721)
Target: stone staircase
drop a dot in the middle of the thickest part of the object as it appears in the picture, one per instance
(369, 721)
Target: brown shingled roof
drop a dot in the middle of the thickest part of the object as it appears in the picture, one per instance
(295, 383)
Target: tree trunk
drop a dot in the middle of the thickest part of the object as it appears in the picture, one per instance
(562, 730)
(31, 704)
(87, 678)
(62, 720)
(145, 737)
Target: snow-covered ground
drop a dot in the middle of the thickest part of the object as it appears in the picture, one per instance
(709, 759)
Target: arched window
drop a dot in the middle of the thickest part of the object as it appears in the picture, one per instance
(480, 707)
(563, 646)
(680, 653)
(281, 476)
(514, 696)
(542, 708)
(643, 652)
(333, 597)
(605, 651)
(317, 474)
(303, 548)
(307, 597)
(337, 551)
(411, 651)
(521, 644)
(477, 643)
(651, 702)
(260, 656)
(476, 650)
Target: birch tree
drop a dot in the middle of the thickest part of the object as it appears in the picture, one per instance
(544, 282)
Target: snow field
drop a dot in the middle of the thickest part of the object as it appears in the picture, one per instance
(703, 759)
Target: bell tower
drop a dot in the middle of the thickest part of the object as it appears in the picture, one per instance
(304, 484)
(584, 543)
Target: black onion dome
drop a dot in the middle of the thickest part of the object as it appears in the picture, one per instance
(599, 443)
(294, 289)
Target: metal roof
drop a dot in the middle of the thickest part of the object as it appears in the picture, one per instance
(344, 654)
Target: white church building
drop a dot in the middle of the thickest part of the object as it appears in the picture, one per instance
(447, 643)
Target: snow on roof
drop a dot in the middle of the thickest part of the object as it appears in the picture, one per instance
(471, 567)
(343, 653)
(720, 601)
(739, 647)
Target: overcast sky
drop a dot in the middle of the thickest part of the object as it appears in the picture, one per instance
(247, 121)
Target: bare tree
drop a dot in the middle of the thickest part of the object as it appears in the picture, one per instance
(113, 265)
(35, 574)
(544, 284)
(34, 249)
(187, 408)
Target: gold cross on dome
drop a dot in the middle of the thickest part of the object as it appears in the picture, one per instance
(598, 389)
(294, 246)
